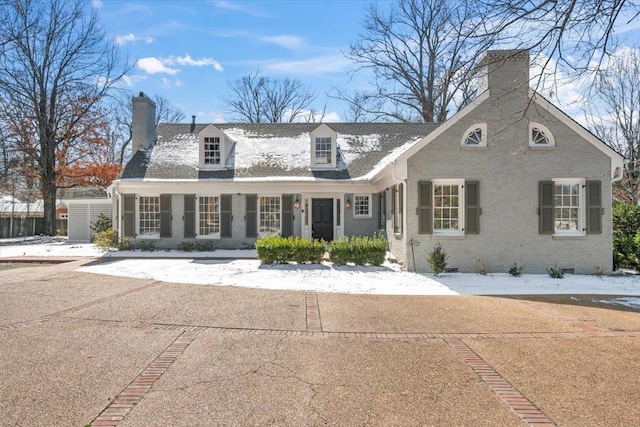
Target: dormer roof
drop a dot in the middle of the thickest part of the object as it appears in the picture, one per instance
(274, 150)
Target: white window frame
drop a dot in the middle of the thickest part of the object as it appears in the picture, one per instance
(209, 154)
(545, 130)
(459, 231)
(139, 220)
(483, 136)
(199, 234)
(261, 232)
(355, 204)
(324, 131)
(211, 132)
(581, 217)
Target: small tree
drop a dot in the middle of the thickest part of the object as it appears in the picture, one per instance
(437, 259)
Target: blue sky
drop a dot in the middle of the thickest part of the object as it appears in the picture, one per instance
(188, 50)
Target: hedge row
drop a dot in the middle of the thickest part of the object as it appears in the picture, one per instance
(360, 250)
(284, 249)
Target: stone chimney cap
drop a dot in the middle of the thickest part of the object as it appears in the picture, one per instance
(493, 56)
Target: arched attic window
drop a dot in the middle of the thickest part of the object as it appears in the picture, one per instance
(540, 136)
(475, 136)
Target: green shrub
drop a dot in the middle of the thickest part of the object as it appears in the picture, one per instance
(626, 244)
(516, 270)
(144, 245)
(186, 246)
(360, 250)
(103, 223)
(555, 272)
(286, 249)
(204, 245)
(106, 239)
(126, 245)
(437, 259)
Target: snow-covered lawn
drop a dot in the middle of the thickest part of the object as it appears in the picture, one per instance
(240, 268)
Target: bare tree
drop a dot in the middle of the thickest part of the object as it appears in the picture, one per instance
(120, 123)
(422, 54)
(615, 116)
(578, 35)
(256, 99)
(54, 54)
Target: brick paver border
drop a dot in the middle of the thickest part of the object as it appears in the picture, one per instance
(522, 406)
(134, 392)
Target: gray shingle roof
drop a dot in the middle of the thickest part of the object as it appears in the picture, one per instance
(273, 150)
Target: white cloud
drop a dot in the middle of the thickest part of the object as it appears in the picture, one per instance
(238, 7)
(154, 65)
(288, 42)
(96, 4)
(130, 38)
(312, 66)
(187, 60)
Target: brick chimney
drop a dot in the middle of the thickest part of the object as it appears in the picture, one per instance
(504, 72)
(144, 122)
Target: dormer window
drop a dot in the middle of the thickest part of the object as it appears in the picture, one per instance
(324, 147)
(475, 136)
(212, 150)
(540, 136)
(323, 151)
(215, 147)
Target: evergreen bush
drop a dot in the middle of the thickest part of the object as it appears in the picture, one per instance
(286, 249)
(626, 244)
(437, 259)
(106, 239)
(360, 250)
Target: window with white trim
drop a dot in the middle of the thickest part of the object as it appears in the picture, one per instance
(212, 151)
(568, 206)
(323, 149)
(208, 216)
(149, 216)
(475, 136)
(362, 206)
(269, 215)
(448, 202)
(540, 136)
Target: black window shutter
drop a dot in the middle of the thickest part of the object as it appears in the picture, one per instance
(594, 207)
(287, 215)
(189, 216)
(129, 215)
(165, 215)
(251, 212)
(472, 201)
(425, 221)
(225, 215)
(546, 223)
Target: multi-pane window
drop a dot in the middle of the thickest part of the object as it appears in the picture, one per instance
(323, 151)
(362, 206)
(269, 222)
(212, 150)
(474, 137)
(567, 207)
(149, 216)
(208, 215)
(446, 207)
(540, 136)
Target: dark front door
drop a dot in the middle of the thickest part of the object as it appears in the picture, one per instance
(322, 219)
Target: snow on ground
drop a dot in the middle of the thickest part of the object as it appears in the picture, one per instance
(240, 268)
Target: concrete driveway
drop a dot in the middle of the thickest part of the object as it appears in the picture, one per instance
(81, 349)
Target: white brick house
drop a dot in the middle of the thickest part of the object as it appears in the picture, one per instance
(509, 179)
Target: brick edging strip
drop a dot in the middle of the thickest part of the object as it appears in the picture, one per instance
(314, 324)
(134, 392)
(522, 406)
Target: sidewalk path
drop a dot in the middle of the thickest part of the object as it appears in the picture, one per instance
(85, 349)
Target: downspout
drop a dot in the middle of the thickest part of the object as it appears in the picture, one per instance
(404, 212)
(116, 197)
